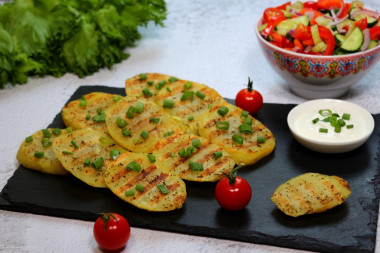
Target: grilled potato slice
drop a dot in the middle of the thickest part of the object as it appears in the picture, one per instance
(251, 150)
(48, 163)
(167, 152)
(140, 131)
(140, 186)
(92, 145)
(87, 111)
(190, 101)
(147, 85)
(310, 193)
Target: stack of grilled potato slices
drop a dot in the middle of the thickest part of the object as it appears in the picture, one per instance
(165, 127)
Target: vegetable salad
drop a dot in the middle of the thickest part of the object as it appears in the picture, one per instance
(323, 27)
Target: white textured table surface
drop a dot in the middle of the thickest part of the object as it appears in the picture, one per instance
(210, 42)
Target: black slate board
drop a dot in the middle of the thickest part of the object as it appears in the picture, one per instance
(350, 227)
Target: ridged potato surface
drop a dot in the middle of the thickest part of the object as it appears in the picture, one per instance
(149, 197)
(167, 155)
(310, 193)
(74, 115)
(48, 163)
(140, 122)
(92, 144)
(250, 151)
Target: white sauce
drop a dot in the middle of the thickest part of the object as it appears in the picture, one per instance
(304, 126)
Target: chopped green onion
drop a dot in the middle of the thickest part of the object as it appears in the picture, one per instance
(245, 128)
(147, 92)
(160, 85)
(335, 115)
(188, 94)
(98, 163)
(333, 122)
(74, 144)
(82, 102)
(349, 126)
(46, 133)
(67, 152)
(195, 166)
(346, 116)
(100, 111)
(328, 119)
(223, 110)
(116, 98)
(38, 154)
(200, 95)
(154, 120)
(69, 130)
(168, 103)
(190, 118)
(237, 138)
(315, 120)
(126, 132)
(325, 112)
(87, 162)
(217, 154)
(222, 125)
(244, 114)
(56, 131)
(151, 158)
(139, 188)
(163, 188)
(261, 139)
(196, 143)
(29, 139)
(99, 118)
(341, 122)
(188, 85)
(139, 107)
(150, 83)
(168, 89)
(46, 142)
(134, 166)
(131, 112)
(248, 121)
(172, 154)
(168, 133)
(106, 140)
(114, 154)
(337, 128)
(188, 152)
(144, 134)
(173, 79)
(88, 116)
(130, 193)
(323, 130)
(143, 76)
(121, 122)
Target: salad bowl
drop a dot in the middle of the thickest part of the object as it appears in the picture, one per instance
(318, 76)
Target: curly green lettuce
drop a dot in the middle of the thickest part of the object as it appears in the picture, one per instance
(54, 37)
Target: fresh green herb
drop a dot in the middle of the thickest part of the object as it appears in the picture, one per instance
(134, 166)
(144, 134)
(99, 118)
(139, 188)
(67, 152)
(196, 143)
(168, 89)
(163, 188)
(168, 103)
(341, 122)
(190, 118)
(188, 85)
(349, 126)
(187, 94)
(168, 133)
(126, 132)
(160, 85)
(237, 138)
(217, 154)
(328, 119)
(98, 163)
(346, 116)
(143, 76)
(121, 122)
(46, 142)
(29, 139)
(150, 83)
(106, 140)
(260, 139)
(82, 102)
(248, 121)
(200, 95)
(315, 120)
(87, 162)
(195, 166)
(131, 112)
(244, 114)
(337, 128)
(173, 79)
(323, 130)
(116, 98)
(245, 129)
(114, 154)
(56, 131)
(139, 107)
(336, 115)
(69, 130)
(46, 133)
(130, 193)
(151, 158)
(147, 92)
(154, 120)
(325, 112)
(223, 110)
(74, 144)
(88, 116)
(187, 152)
(222, 125)
(38, 154)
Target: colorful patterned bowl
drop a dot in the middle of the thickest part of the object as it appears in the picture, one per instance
(311, 76)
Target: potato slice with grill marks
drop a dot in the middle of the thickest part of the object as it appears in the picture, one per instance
(251, 150)
(93, 145)
(167, 155)
(48, 163)
(310, 193)
(74, 115)
(139, 123)
(149, 197)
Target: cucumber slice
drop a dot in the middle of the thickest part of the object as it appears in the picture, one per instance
(339, 39)
(372, 44)
(354, 41)
(352, 11)
(370, 20)
(290, 24)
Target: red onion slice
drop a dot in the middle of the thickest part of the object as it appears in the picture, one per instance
(292, 11)
(366, 39)
(340, 10)
(339, 20)
(310, 14)
(332, 11)
(308, 49)
(296, 49)
(365, 12)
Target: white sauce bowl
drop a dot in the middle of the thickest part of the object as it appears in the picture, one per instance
(305, 132)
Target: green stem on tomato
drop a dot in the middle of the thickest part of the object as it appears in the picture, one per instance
(233, 173)
(106, 218)
(250, 84)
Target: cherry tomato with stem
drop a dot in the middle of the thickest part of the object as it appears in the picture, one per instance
(249, 99)
(232, 192)
(111, 231)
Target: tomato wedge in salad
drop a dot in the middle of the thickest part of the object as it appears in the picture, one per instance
(322, 27)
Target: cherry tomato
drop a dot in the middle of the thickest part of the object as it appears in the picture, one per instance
(249, 99)
(232, 192)
(311, 4)
(111, 231)
(329, 4)
(272, 14)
